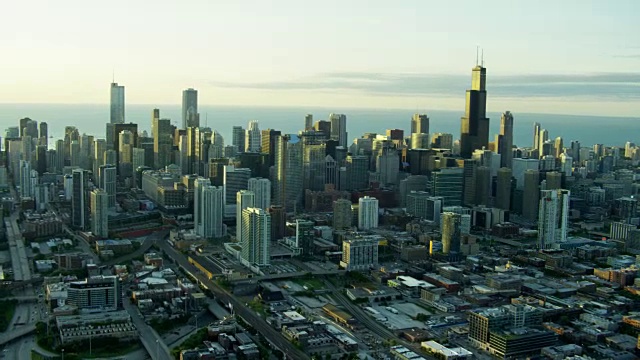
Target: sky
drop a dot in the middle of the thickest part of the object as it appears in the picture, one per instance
(565, 57)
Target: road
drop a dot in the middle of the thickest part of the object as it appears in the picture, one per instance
(149, 337)
(144, 247)
(19, 260)
(258, 323)
(86, 247)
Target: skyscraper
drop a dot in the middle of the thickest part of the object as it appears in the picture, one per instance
(558, 146)
(308, 122)
(536, 135)
(450, 232)
(367, 213)
(261, 188)
(107, 181)
(419, 124)
(25, 179)
(190, 116)
(552, 218)
(357, 168)
(125, 153)
(339, 128)
(99, 218)
(212, 205)
(503, 189)
(483, 185)
(474, 129)
(505, 139)
(342, 214)
(80, 199)
(288, 180)
(268, 144)
(253, 137)
(238, 138)
(198, 205)
(117, 104)
(44, 134)
(162, 141)
(256, 236)
(244, 199)
(442, 141)
(531, 194)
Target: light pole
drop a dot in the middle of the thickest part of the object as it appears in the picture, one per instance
(62, 354)
(90, 335)
(157, 349)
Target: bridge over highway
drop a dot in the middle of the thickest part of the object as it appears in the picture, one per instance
(9, 336)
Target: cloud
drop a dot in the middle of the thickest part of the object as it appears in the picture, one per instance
(612, 86)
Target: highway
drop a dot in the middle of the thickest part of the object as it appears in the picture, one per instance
(271, 334)
(144, 247)
(19, 260)
(82, 243)
(148, 336)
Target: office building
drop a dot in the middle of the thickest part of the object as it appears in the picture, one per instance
(99, 217)
(305, 235)
(253, 137)
(261, 187)
(235, 179)
(99, 147)
(357, 172)
(424, 206)
(448, 183)
(483, 185)
(367, 213)
(450, 230)
(97, 293)
(420, 141)
(107, 175)
(80, 199)
(442, 141)
(117, 104)
(553, 180)
(256, 236)
(190, 116)
(308, 122)
(238, 136)
(359, 254)
(44, 135)
(244, 199)
(552, 218)
(419, 124)
(505, 140)
(531, 195)
(162, 140)
(339, 128)
(518, 168)
(342, 214)
(474, 130)
(503, 189)
(278, 222)
(268, 145)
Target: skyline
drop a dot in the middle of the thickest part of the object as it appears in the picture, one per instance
(576, 58)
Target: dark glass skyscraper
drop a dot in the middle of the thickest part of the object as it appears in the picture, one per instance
(190, 116)
(474, 128)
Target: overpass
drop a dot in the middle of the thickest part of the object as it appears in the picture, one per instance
(272, 335)
(9, 336)
(288, 276)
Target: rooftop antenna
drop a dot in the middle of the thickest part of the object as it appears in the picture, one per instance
(206, 119)
(113, 75)
(477, 48)
(482, 58)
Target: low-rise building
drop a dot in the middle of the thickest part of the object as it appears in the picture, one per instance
(115, 324)
(443, 352)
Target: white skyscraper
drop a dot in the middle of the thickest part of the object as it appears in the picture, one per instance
(339, 128)
(198, 205)
(552, 218)
(99, 218)
(256, 236)
(367, 213)
(244, 199)
(253, 138)
(212, 211)
(261, 187)
(117, 104)
(25, 178)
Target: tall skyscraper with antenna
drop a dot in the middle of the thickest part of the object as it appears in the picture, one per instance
(474, 127)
